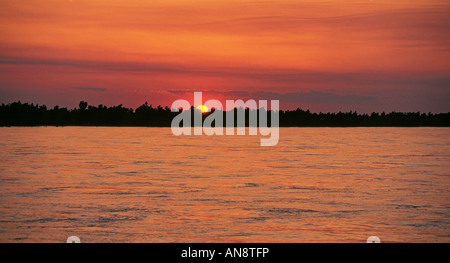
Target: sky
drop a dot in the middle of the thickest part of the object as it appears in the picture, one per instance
(326, 56)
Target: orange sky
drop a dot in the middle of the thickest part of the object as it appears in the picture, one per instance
(322, 55)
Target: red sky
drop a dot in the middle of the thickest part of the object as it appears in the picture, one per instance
(318, 55)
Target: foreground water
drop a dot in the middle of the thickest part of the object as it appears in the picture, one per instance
(107, 184)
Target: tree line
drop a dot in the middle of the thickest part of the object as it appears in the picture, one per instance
(25, 114)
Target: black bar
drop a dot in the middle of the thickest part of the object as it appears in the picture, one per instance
(229, 252)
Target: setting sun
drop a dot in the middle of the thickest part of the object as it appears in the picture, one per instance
(203, 108)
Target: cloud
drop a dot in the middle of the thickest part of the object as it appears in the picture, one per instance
(311, 97)
(89, 89)
(95, 65)
(318, 97)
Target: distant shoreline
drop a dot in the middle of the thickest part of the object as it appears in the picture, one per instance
(19, 114)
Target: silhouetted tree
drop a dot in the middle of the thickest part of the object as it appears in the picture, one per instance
(25, 114)
(83, 105)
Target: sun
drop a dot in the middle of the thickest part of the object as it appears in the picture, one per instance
(203, 108)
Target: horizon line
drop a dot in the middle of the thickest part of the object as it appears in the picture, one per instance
(164, 108)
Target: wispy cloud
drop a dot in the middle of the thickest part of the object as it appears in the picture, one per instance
(89, 88)
(276, 76)
(93, 65)
(318, 97)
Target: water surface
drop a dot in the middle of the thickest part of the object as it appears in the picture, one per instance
(109, 184)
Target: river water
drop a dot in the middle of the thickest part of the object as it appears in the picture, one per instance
(110, 184)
